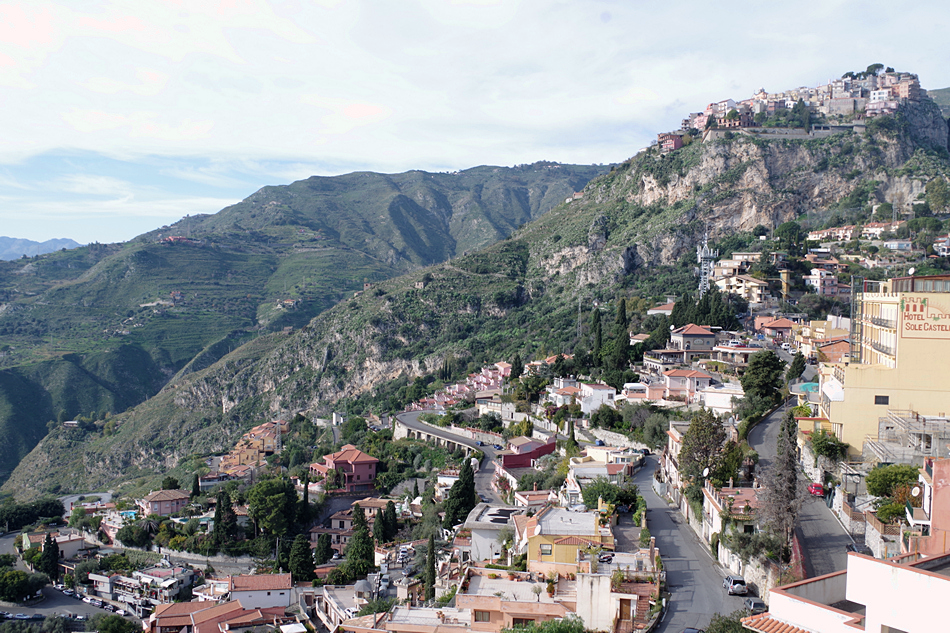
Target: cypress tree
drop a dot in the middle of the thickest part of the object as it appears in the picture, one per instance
(598, 335)
(392, 523)
(49, 559)
(324, 552)
(415, 489)
(379, 528)
(301, 559)
(195, 487)
(359, 517)
(430, 570)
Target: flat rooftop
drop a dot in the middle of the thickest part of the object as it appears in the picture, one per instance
(422, 616)
(565, 523)
(514, 591)
(489, 516)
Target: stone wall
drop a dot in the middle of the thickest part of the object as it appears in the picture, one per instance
(616, 439)
(852, 519)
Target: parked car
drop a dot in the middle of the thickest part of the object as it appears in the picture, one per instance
(108, 607)
(692, 630)
(479, 443)
(598, 442)
(735, 585)
(67, 592)
(860, 549)
(754, 605)
(497, 447)
(816, 490)
(121, 612)
(21, 616)
(605, 558)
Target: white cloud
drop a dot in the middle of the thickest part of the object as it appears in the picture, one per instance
(335, 86)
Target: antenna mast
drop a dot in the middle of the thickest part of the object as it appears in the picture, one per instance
(707, 261)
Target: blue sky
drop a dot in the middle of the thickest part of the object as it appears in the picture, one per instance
(122, 117)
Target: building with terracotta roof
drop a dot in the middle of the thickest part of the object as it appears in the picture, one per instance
(553, 537)
(357, 469)
(685, 384)
(693, 338)
(665, 309)
(164, 502)
(261, 590)
(781, 328)
(205, 617)
(753, 290)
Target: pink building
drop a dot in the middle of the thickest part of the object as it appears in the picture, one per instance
(164, 502)
(356, 467)
(685, 383)
(524, 450)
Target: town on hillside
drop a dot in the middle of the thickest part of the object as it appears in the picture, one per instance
(770, 443)
(845, 103)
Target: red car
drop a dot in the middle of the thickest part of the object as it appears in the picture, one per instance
(816, 489)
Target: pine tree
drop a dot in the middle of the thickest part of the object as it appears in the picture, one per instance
(392, 523)
(301, 560)
(430, 570)
(324, 552)
(195, 487)
(379, 528)
(49, 559)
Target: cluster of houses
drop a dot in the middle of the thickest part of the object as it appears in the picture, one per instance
(576, 562)
(248, 456)
(858, 98)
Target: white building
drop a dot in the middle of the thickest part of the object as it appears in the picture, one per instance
(485, 522)
(260, 591)
(595, 395)
(898, 595)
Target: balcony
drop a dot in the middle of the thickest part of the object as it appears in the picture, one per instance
(883, 349)
(882, 322)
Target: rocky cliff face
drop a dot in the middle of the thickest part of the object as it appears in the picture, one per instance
(646, 212)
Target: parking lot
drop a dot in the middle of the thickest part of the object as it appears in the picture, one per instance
(58, 603)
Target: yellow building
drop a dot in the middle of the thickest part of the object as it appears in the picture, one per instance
(555, 535)
(900, 340)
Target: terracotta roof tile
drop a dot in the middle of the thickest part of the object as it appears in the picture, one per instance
(260, 582)
(767, 624)
(693, 330)
(166, 495)
(574, 540)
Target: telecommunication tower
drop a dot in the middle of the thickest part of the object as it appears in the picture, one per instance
(707, 261)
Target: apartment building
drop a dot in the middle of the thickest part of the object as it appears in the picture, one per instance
(753, 290)
(357, 469)
(900, 338)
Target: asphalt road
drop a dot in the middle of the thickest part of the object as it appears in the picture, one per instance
(486, 469)
(692, 576)
(823, 538)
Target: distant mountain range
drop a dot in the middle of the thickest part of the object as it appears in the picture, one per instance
(942, 98)
(95, 330)
(15, 248)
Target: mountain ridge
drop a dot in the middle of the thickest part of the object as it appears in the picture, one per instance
(631, 232)
(15, 247)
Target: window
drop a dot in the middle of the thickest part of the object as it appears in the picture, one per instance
(482, 616)
(545, 549)
(521, 622)
(357, 478)
(882, 399)
(268, 593)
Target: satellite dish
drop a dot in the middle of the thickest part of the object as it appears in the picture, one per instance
(915, 491)
(672, 327)
(911, 271)
(706, 472)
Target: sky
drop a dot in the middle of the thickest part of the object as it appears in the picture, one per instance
(121, 117)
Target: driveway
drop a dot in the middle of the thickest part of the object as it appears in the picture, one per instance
(693, 578)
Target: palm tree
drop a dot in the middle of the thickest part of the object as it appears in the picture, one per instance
(150, 523)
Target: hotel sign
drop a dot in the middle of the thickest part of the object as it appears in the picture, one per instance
(920, 318)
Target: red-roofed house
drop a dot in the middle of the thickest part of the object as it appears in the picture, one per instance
(666, 308)
(779, 327)
(693, 337)
(357, 468)
(164, 502)
(685, 383)
(261, 590)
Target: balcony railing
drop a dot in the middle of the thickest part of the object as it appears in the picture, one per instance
(884, 349)
(882, 322)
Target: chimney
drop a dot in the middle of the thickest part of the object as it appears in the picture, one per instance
(535, 486)
(730, 482)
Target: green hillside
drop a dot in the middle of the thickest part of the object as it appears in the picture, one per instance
(942, 98)
(273, 261)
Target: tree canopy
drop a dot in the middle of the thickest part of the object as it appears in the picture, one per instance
(702, 444)
(763, 376)
(883, 480)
